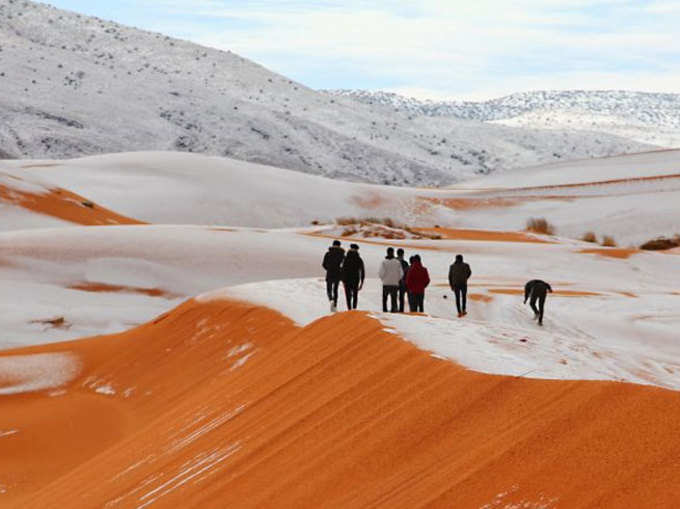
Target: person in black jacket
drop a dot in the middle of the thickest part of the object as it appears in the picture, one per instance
(459, 273)
(353, 274)
(402, 283)
(409, 293)
(332, 262)
(537, 290)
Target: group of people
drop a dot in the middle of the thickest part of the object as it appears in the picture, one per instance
(404, 281)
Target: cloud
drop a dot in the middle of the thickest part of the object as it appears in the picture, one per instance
(441, 47)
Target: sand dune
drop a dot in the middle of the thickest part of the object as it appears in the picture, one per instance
(223, 403)
(61, 204)
(228, 402)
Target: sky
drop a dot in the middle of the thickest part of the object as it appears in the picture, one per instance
(430, 49)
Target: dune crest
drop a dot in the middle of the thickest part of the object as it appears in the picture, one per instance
(63, 204)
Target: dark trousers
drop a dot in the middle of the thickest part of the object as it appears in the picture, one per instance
(402, 294)
(352, 295)
(332, 290)
(419, 302)
(461, 297)
(392, 292)
(411, 302)
(541, 305)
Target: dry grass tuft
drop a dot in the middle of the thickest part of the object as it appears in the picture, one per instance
(540, 225)
(608, 241)
(345, 221)
(380, 227)
(589, 237)
(661, 244)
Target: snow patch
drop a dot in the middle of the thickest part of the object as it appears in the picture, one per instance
(105, 389)
(30, 373)
(207, 462)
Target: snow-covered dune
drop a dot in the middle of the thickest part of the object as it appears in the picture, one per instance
(107, 279)
(177, 188)
(632, 198)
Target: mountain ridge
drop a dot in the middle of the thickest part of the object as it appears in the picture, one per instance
(75, 85)
(549, 109)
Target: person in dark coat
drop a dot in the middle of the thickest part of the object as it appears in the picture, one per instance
(417, 280)
(402, 283)
(537, 290)
(352, 275)
(332, 262)
(409, 294)
(459, 273)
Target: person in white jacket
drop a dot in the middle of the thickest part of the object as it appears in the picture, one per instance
(390, 274)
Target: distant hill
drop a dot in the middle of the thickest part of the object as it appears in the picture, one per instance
(642, 116)
(73, 85)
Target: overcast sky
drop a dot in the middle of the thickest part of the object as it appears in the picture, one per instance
(469, 49)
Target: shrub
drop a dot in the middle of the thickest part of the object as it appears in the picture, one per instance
(382, 227)
(661, 243)
(608, 241)
(589, 237)
(540, 225)
(344, 221)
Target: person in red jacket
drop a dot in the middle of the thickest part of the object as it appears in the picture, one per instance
(417, 280)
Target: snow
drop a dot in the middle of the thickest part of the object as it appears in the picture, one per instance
(17, 218)
(204, 462)
(31, 373)
(587, 338)
(175, 188)
(173, 191)
(646, 164)
(625, 330)
(106, 390)
(240, 362)
(8, 433)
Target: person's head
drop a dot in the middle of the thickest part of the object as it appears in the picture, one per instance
(336, 243)
(390, 252)
(416, 258)
(400, 253)
(459, 258)
(354, 246)
(410, 260)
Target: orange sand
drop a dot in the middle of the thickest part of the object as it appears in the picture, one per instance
(89, 286)
(473, 203)
(65, 205)
(480, 297)
(482, 235)
(368, 201)
(558, 293)
(446, 233)
(611, 252)
(603, 182)
(338, 414)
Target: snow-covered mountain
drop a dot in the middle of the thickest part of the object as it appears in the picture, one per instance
(646, 117)
(73, 85)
